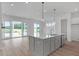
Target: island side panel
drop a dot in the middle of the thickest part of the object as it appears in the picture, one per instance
(31, 43)
(38, 47)
(52, 42)
(57, 42)
(46, 46)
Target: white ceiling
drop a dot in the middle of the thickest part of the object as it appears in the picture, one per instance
(33, 10)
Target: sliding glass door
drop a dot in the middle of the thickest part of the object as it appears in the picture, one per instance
(16, 29)
(13, 29)
(36, 30)
(25, 29)
(6, 29)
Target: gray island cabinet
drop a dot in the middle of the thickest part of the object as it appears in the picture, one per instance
(44, 46)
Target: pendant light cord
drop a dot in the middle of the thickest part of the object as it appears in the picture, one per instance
(54, 13)
(42, 10)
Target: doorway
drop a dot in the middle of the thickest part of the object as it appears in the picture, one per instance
(64, 28)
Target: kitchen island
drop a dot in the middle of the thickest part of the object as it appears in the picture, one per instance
(43, 46)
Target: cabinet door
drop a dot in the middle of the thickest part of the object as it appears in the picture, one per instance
(38, 47)
(63, 40)
(57, 42)
(47, 49)
(52, 44)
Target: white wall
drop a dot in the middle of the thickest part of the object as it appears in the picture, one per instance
(75, 32)
(67, 16)
(75, 20)
(58, 25)
(75, 26)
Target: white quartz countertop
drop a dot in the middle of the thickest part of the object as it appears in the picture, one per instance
(54, 35)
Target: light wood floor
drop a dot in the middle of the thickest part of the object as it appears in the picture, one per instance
(69, 49)
(15, 47)
(20, 47)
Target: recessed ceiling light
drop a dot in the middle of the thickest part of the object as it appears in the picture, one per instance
(26, 2)
(11, 4)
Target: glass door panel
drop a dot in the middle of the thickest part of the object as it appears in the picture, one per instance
(6, 29)
(36, 30)
(16, 29)
(3, 30)
(25, 30)
(13, 29)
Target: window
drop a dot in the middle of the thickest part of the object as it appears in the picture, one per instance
(36, 30)
(12, 29)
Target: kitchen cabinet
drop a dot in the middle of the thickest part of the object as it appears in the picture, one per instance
(44, 46)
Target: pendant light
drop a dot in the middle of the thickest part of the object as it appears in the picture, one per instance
(42, 11)
(54, 17)
(54, 21)
(52, 30)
